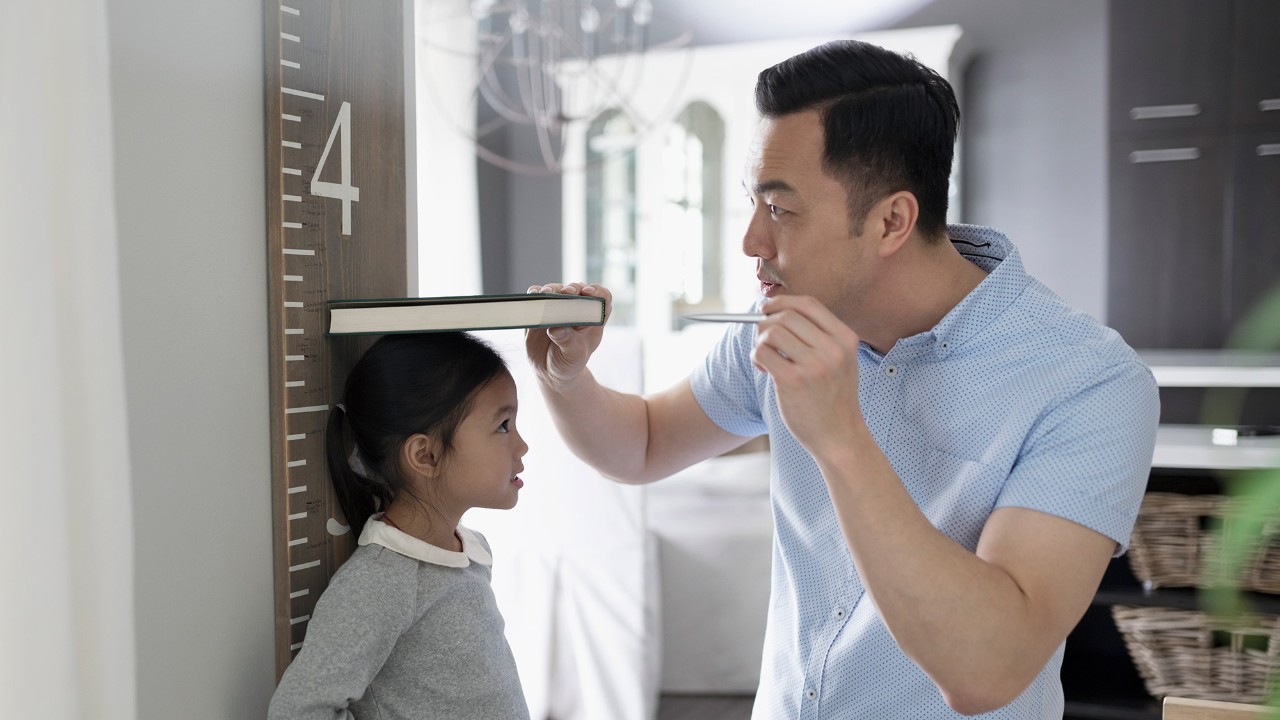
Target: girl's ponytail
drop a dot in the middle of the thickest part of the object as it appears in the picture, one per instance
(358, 496)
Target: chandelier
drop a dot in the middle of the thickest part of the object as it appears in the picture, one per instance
(538, 65)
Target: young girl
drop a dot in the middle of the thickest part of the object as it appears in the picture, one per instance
(408, 627)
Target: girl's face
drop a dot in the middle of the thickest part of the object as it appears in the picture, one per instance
(483, 468)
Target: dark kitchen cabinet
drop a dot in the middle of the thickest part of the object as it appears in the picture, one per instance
(1166, 254)
(1194, 186)
(1193, 246)
(1255, 81)
(1254, 238)
(1169, 61)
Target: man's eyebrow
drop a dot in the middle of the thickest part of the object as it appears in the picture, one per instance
(767, 186)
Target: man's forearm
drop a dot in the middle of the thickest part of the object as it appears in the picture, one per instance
(607, 429)
(967, 622)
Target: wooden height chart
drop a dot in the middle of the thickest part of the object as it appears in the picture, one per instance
(336, 229)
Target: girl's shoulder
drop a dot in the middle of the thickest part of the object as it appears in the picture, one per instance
(373, 568)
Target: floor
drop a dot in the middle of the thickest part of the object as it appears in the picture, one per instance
(704, 707)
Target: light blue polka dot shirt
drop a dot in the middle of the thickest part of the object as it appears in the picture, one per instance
(1013, 400)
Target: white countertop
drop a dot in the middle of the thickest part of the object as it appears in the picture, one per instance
(1213, 368)
(1191, 446)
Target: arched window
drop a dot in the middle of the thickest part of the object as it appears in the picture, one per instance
(611, 211)
(692, 224)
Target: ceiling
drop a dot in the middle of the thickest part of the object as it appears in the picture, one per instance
(721, 21)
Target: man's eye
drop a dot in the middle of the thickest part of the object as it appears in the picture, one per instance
(775, 210)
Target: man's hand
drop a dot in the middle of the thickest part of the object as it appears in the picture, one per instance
(813, 359)
(559, 355)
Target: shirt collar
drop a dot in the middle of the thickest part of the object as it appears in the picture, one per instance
(992, 251)
(377, 532)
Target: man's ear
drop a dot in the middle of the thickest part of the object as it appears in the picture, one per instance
(894, 221)
(422, 454)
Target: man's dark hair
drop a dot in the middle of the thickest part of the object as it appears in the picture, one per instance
(889, 123)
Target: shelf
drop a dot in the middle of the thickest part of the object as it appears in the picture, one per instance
(1213, 368)
(1123, 709)
(1191, 446)
(1180, 599)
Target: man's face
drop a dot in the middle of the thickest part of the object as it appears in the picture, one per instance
(799, 231)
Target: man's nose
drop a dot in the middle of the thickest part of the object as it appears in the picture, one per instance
(755, 239)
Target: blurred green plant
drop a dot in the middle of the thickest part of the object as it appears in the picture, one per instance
(1254, 516)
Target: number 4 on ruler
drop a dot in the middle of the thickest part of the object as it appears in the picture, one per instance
(344, 191)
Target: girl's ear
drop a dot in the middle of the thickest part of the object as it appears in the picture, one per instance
(422, 455)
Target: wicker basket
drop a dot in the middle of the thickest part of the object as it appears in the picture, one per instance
(1188, 653)
(1173, 539)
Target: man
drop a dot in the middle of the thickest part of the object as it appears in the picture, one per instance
(956, 453)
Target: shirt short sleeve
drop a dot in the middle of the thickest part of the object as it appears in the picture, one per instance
(728, 387)
(1087, 460)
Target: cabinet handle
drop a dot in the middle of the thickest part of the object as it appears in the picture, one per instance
(1164, 155)
(1269, 149)
(1269, 104)
(1156, 112)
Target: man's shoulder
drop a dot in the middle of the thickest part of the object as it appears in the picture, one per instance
(1043, 335)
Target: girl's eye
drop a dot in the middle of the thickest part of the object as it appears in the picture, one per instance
(503, 427)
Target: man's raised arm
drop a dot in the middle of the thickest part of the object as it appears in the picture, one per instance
(626, 437)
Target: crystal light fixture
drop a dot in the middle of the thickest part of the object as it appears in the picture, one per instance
(539, 64)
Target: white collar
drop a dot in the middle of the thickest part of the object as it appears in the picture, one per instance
(377, 532)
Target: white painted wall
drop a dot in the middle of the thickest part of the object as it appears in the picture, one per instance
(187, 84)
(1034, 123)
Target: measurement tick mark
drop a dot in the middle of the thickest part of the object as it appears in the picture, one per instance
(309, 408)
(301, 93)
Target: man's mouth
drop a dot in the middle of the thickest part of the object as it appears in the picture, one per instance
(768, 288)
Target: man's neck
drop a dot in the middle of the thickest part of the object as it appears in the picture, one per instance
(922, 283)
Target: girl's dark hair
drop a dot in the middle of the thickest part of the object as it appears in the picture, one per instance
(889, 123)
(400, 386)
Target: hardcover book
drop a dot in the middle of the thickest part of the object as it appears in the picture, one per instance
(463, 312)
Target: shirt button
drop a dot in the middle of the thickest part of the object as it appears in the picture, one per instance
(891, 370)
(811, 693)
(839, 613)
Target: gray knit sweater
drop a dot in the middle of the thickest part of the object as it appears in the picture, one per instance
(405, 630)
